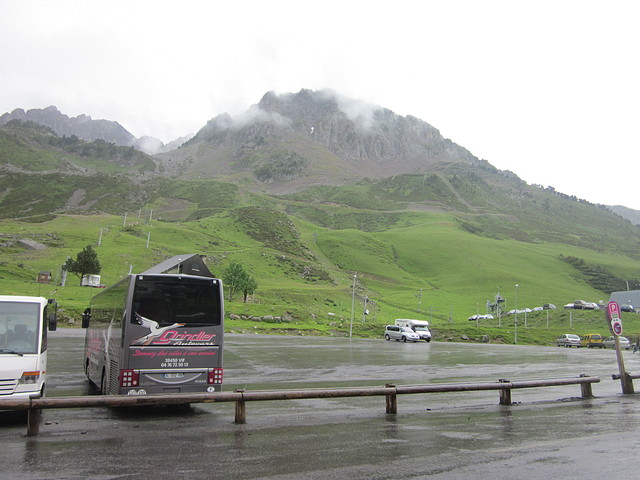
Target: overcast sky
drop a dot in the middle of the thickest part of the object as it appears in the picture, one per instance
(546, 89)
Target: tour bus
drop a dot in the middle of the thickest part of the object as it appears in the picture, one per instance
(157, 332)
(23, 344)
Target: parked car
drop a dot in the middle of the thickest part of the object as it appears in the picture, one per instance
(610, 342)
(488, 316)
(570, 305)
(568, 340)
(400, 333)
(591, 306)
(592, 340)
(421, 327)
(549, 306)
(579, 304)
(627, 308)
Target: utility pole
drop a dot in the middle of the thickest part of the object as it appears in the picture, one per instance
(353, 302)
(364, 310)
(515, 330)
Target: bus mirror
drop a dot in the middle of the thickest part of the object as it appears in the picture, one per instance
(86, 317)
(53, 322)
(53, 316)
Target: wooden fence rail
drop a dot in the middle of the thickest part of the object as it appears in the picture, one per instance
(240, 396)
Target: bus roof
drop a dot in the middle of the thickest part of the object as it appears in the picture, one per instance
(23, 299)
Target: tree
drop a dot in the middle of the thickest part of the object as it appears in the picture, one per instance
(86, 263)
(248, 286)
(237, 280)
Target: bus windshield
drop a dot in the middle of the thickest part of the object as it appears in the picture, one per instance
(169, 299)
(19, 327)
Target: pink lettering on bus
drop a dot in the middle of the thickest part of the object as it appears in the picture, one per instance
(174, 337)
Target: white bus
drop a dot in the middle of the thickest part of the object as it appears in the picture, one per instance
(157, 332)
(23, 344)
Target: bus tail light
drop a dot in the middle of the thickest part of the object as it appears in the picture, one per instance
(29, 377)
(129, 378)
(215, 376)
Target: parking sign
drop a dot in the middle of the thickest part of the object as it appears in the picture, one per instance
(613, 314)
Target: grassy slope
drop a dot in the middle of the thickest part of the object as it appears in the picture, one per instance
(457, 271)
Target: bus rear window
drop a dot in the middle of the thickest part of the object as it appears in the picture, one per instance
(177, 299)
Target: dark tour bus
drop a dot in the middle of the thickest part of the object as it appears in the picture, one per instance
(159, 332)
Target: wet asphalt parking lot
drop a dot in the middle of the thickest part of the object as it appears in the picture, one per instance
(548, 432)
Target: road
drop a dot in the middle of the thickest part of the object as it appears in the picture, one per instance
(546, 433)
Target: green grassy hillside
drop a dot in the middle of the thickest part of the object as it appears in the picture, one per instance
(432, 269)
(437, 245)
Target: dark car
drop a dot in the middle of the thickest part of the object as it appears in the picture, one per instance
(580, 305)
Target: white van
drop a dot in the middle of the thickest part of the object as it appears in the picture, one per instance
(23, 344)
(421, 327)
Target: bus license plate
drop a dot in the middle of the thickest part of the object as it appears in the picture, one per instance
(173, 375)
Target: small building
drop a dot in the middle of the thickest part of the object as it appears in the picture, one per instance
(626, 297)
(43, 277)
(90, 280)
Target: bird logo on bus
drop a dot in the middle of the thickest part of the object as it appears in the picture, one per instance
(156, 330)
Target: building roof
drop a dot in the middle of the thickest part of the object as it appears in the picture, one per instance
(188, 264)
(626, 297)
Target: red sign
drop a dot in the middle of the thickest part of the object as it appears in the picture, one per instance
(613, 313)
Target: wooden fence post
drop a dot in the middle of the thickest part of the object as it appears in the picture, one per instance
(391, 399)
(585, 388)
(505, 393)
(628, 384)
(241, 408)
(33, 418)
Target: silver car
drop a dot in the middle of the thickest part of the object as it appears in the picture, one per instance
(400, 333)
(610, 342)
(568, 340)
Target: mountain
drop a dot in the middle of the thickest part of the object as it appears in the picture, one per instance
(86, 128)
(305, 189)
(82, 126)
(630, 214)
(302, 152)
(290, 141)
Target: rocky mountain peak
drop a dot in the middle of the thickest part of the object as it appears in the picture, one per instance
(351, 129)
(82, 126)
